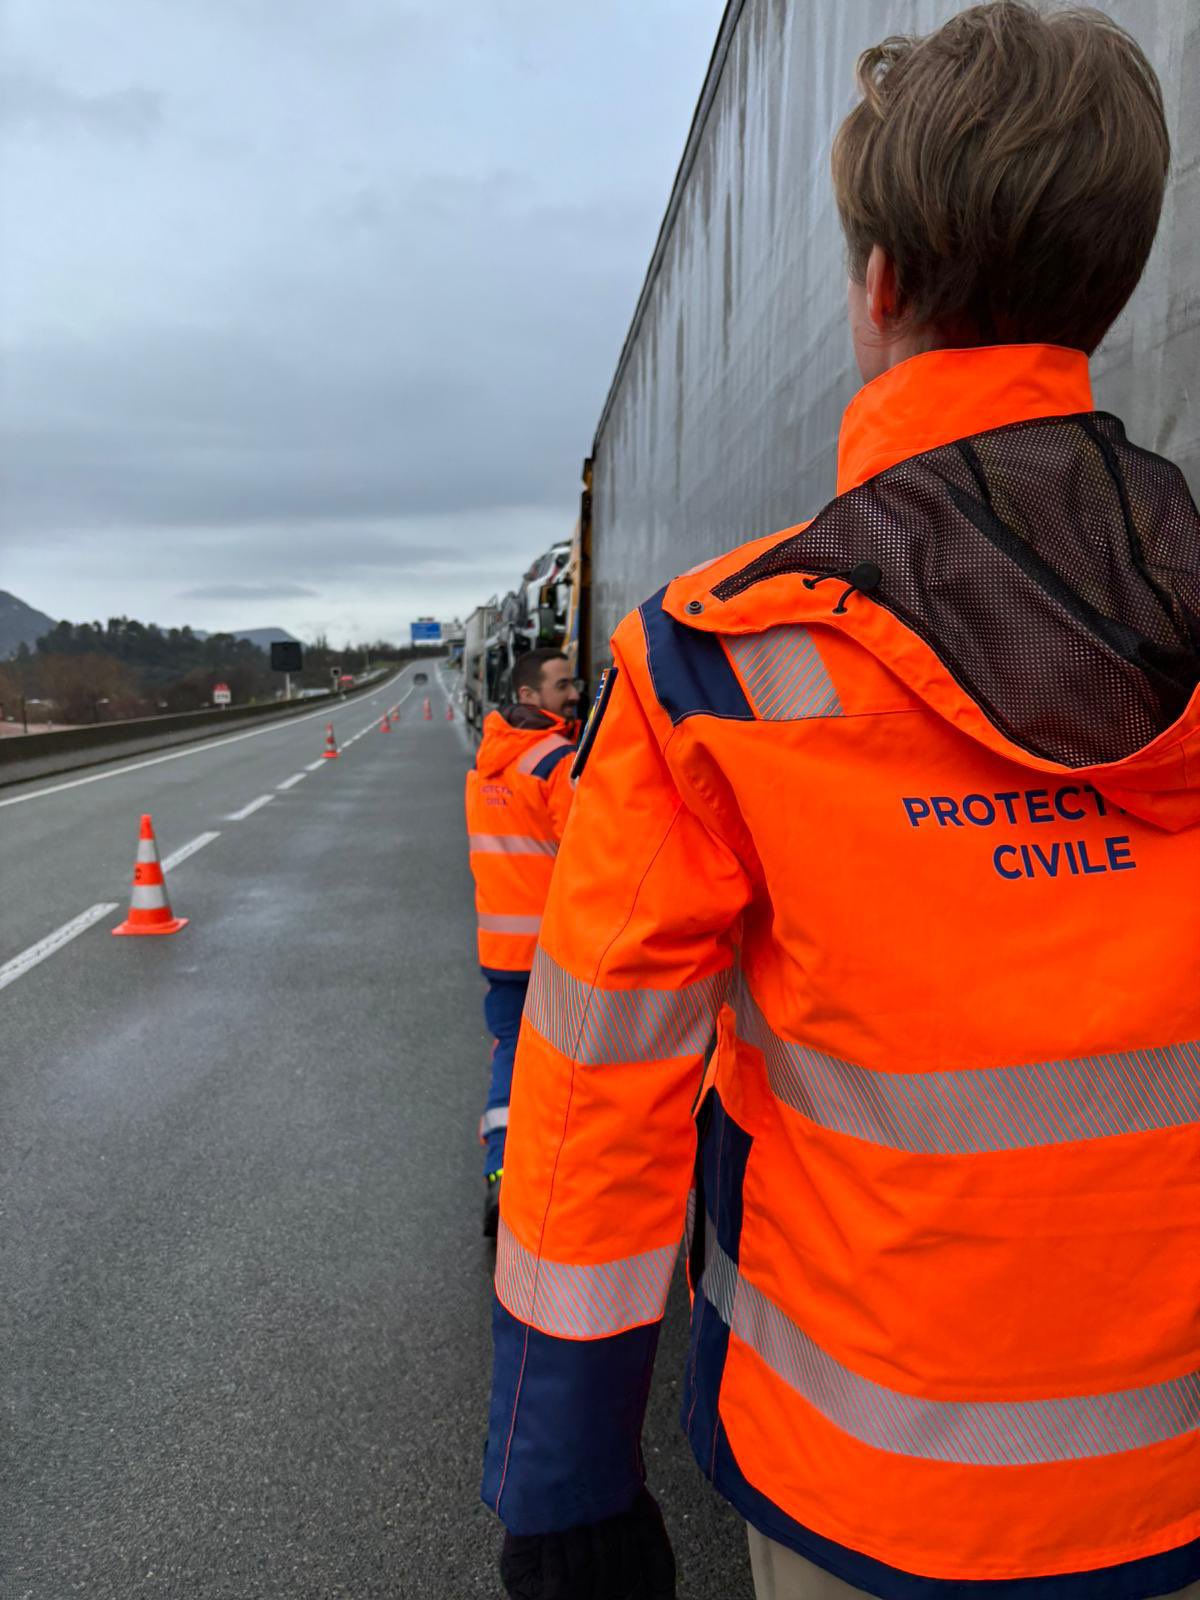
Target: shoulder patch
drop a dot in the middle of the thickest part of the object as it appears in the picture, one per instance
(592, 726)
(689, 670)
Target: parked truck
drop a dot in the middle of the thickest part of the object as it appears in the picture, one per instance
(540, 610)
(721, 421)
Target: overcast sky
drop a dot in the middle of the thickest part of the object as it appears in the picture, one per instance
(309, 307)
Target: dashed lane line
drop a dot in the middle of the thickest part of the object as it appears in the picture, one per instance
(20, 965)
(190, 849)
(207, 747)
(290, 783)
(248, 811)
(37, 953)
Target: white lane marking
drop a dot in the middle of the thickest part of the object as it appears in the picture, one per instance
(315, 766)
(290, 783)
(248, 811)
(464, 737)
(187, 850)
(206, 747)
(19, 965)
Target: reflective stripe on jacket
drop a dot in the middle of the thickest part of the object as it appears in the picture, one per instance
(518, 796)
(944, 1223)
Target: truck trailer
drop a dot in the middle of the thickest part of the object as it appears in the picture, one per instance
(721, 421)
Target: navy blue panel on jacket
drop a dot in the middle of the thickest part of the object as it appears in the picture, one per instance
(720, 1173)
(690, 671)
(573, 1454)
(548, 763)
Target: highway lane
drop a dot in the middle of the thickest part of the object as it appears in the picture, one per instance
(68, 842)
(245, 1346)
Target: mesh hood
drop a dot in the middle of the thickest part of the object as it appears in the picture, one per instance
(1052, 566)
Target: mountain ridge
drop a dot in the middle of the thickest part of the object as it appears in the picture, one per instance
(21, 623)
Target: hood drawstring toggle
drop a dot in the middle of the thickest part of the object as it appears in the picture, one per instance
(863, 578)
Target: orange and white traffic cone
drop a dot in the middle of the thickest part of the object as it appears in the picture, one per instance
(449, 712)
(385, 726)
(428, 709)
(331, 751)
(149, 908)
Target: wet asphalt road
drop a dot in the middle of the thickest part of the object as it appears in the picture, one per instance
(244, 1350)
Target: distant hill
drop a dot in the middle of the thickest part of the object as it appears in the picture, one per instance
(20, 624)
(262, 637)
(265, 637)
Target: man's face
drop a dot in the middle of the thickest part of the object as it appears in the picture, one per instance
(557, 692)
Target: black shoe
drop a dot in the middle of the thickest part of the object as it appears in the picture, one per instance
(491, 1204)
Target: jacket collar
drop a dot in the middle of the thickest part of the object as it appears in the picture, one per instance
(531, 719)
(932, 399)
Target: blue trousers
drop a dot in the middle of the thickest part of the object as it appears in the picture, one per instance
(502, 1007)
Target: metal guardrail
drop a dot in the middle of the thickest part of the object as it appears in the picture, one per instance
(24, 757)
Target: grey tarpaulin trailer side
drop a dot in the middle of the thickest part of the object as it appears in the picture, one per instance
(721, 421)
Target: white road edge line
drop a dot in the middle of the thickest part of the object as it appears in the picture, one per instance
(290, 783)
(464, 738)
(315, 766)
(204, 748)
(19, 965)
(375, 721)
(187, 850)
(248, 811)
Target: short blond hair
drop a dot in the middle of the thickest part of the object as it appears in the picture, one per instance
(1012, 165)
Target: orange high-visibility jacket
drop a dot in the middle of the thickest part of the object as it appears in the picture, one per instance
(903, 805)
(518, 795)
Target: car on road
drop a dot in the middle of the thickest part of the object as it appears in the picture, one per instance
(420, 677)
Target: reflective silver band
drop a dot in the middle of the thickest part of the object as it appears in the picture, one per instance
(983, 1109)
(543, 748)
(493, 922)
(511, 844)
(783, 670)
(600, 1026)
(147, 851)
(993, 1433)
(582, 1302)
(495, 1117)
(147, 897)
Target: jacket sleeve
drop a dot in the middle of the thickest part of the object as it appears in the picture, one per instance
(633, 963)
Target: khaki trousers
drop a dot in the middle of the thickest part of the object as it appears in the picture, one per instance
(780, 1574)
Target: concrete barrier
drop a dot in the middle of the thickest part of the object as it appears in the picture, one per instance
(24, 757)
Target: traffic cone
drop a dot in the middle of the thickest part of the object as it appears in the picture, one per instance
(331, 751)
(149, 908)
(449, 712)
(428, 709)
(385, 726)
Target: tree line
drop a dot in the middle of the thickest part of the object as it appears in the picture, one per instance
(81, 672)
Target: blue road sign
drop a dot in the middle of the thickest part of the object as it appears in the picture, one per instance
(425, 632)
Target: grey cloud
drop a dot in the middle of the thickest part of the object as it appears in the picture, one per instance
(249, 591)
(43, 107)
(364, 286)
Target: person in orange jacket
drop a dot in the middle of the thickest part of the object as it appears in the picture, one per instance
(901, 804)
(518, 796)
